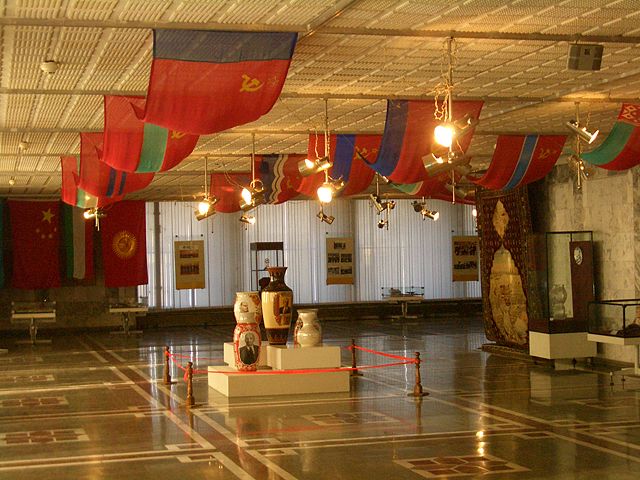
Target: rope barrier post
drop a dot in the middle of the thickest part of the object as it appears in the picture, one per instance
(190, 401)
(417, 388)
(354, 371)
(166, 375)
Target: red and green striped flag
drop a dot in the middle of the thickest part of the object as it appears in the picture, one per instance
(78, 243)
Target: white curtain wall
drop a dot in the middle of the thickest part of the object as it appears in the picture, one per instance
(412, 252)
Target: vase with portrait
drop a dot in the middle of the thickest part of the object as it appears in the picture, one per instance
(277, 304)
(246, 342)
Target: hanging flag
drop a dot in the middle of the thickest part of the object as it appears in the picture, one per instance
(351, 156)
(435, 188)
(124, 247)
(78, 243)
(521, 159)
(226, 187)
(280, 176)
(132, 145)
(99, 179)
(621, 149)
(204, 82)
(35, 237)
(71, 194)
(408, 136)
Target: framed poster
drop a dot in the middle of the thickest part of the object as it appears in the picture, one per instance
(465, 258)
(340, 261)
(189, 261)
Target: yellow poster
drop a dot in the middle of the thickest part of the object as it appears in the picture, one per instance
(465, 259)
(340, 261)
(189, 261)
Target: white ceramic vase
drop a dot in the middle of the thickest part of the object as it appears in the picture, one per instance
(308, 332)
(247, 306)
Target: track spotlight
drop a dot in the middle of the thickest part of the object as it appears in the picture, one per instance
(436, 165)
(417, 206)
(445, 133)
(381, 205)
(90, 213)
(206, 208)
(383, 223)
(325, 218)
(308, 167)
(247, 219)
(329, 189)
(581, 131)
(421, 208)
(252, 196)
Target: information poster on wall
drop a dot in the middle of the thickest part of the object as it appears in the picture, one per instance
(465, 259)
(189, 261)
(340, 259)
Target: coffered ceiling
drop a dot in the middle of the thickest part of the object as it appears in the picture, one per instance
(356, 53)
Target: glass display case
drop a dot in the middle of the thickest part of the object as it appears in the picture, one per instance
(263, 254)
(562, 268)
(615, 318)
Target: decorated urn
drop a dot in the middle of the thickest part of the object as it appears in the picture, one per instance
(246, 335)
(277, 303)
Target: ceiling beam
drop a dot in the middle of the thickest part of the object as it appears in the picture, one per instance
(339, 96)
(323, 29)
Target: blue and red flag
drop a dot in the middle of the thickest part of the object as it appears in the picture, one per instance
(132, 145)
(408, 136)
(204, 82)
(621, 149)
(99, 179)
(280, 176)
(521, 159)
(351, 156)
(71, 193)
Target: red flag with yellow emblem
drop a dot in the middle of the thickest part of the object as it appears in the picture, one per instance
(35, 235)
(124, 244)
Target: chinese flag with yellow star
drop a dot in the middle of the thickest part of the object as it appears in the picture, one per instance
(35, 238)
(124, 244)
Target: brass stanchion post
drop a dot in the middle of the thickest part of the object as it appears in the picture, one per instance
(166, 374)
(354, 372)
(190, 401)
(417, 388)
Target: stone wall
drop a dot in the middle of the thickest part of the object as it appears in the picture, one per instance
(609, 205)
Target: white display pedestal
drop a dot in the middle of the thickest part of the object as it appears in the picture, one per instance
(635, 341)
(561, 347)
(226, 379)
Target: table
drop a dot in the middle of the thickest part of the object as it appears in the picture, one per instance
(33, 315)
(404, 301)
(129, 312)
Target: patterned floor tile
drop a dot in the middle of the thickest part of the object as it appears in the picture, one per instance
(458, 466)
(43, 436)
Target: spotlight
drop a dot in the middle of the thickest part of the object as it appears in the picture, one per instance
(417, 206)
(12, 181)
(325, 218)
(444, 134)
(90, 213)
(383, 223)
(474, 212)
(432, 214)
(206, 208)
(252, 196)
(581, 131)
(308, 167)
(461, 192)
(380, 205)
(248, 219)
(328, 189)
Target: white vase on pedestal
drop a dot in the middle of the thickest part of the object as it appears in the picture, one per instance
(308, 332)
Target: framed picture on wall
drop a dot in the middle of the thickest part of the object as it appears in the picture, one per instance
(189, 262)
(340, 264)
(465, 251)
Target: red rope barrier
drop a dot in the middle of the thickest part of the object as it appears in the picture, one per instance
(375, 352)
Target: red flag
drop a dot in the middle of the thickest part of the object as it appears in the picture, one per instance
(132, 145)
(35, 234)
(204, 82)
(226, 187)
(124, 247)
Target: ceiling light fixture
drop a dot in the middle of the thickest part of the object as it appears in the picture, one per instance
(247, 219)
(253, 195)
(325, 218)
(576, 164)
(49, 67)
(421, 208)
(206, 206)
(308, 167)
(381, 205)
(94, 213)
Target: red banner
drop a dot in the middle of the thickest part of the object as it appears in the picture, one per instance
(124, 248)
(35, 235)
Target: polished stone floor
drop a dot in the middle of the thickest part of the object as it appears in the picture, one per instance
(92, 406)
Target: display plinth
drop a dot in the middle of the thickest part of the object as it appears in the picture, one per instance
(560, 346)
(279, 357)
(224, 380)
(227, 381)
(230, 359)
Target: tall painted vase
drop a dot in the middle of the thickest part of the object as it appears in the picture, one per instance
(277, 303)
(246, 336)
